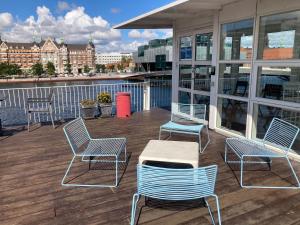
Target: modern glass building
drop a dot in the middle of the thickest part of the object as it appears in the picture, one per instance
(156, 56)
(240, 57)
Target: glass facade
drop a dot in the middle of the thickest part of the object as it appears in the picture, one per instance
(264, 116)
(279, 83)
(186, 48)
(234, 79)
(232, 115)
(203, 46)
(184, 97)
(202, 76)
(279, 36)
(237, 40)
(202, 99)
(185, 76)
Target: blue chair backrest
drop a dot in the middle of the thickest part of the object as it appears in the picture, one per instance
(281, 134)
(191, 112)
(76, 134)
(176, 184)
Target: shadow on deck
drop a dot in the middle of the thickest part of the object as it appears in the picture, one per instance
(33, 164)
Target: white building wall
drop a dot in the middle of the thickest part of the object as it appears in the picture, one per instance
(102, 58)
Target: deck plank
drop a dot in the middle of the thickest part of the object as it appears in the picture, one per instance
(33, 164)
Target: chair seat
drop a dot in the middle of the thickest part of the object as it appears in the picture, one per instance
(104, 147)
(246, 147)
(182, 127)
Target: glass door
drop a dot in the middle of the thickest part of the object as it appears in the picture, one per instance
(195, 70)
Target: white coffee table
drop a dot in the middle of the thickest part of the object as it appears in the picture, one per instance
(171, 151)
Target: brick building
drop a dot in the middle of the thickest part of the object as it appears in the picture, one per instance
(27, 54)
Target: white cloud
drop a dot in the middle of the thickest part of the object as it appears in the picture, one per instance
(63, 6)
(115, 10)
(6, 20)
(76, 26)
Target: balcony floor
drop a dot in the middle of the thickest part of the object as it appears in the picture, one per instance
(32, 165)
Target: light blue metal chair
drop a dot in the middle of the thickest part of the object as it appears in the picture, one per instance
(83, 146)
(175, 184)
(280, 135)
(187, 119)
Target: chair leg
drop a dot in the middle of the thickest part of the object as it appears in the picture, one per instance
(210, 211)
(28, 121)
(208, 140)
(66, 174)
(51, 117)
(117, 162)
(225, 155)
(271, 187)
(159, 135)
(218, 209)
(135, 200)
(294, 173)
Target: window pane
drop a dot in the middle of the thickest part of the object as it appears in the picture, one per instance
(185, 76)
(279, 83)
(237, 40)
(186, 48)
(204, 46)
(184, 97)
(202, 78)
(202, 99)
(279, 36)
(234, 79)
(232, 115)
(265, 114)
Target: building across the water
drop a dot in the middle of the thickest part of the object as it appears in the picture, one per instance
(60, 54)
(156, 56)
(111, 58)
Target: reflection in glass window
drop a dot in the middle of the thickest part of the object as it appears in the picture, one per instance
(202, 78)
(185, 76)
(232, 115)
(202, 99)
(204, 46)
(279, 83)
(264, 116)
(279, 36)
(234, 79)
(186, 48)
(184, 97)
(237, 40)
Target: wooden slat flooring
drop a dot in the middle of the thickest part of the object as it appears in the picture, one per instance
(32, 165)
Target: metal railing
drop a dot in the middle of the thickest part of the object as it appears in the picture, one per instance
(66, 99)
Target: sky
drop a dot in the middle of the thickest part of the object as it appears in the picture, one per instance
(78, 21)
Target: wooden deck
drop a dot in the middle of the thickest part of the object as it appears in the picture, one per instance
(33, 164)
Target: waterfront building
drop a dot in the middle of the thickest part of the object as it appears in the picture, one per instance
(60, 54)
(239, 57)
(156, 56)
(111, 58)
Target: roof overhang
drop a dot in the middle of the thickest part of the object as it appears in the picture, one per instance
(164, 17)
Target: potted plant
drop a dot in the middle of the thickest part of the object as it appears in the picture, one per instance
(105, 104)
(88, 108)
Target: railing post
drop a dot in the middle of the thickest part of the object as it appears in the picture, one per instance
(147, 95)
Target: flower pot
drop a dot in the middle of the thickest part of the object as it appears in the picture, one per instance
(88, 112)
(105, 109)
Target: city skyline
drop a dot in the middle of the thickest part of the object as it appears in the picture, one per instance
(77, 22)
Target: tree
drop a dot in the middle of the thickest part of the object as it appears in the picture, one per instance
(86, 69)
(100, 68)
(68, 68)
(120, 66)
(37, 69)
(50, 68)
(9, 69)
